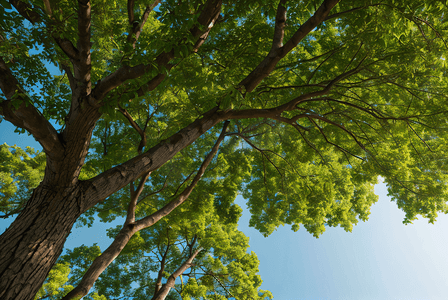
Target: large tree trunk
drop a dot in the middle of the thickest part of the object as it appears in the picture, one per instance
(31, 245)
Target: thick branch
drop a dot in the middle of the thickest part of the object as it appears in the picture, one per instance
(26, 115)
(131, 11)
(161, 295)
(128, 230)
(82, 115)
(105, 184)
(67, 46)
(114, 179)
(207, 18)
(318, 17)
(153, 83)
(138, 27)
(126, 73)
(155, 217)
(101, 262)
(82, 65)
(274, 112)
(26, 11)
(280, 22)
(31, 15)
(108, 256)
(276, 54)
(48, 7)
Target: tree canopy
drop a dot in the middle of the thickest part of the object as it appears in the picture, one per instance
(162, 112)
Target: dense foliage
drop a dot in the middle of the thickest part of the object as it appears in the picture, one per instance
(162, 112)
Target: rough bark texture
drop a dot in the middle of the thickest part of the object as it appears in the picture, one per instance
(34, 241)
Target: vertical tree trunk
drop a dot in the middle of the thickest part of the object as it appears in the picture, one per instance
(34, 241)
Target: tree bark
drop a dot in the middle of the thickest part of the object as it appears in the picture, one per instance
(31, 245)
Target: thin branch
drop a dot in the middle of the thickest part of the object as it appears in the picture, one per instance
(33, 16)
(219, 281)
(432, 27)
(371, 111)
(268, 89)
(315, 116)
(134, 125)
(337, 15)
(318, 67)
(335, 145)
(180, 185)
(295, 63)
(354, 56)
(12, 213)
(262, 152)
(71, 78)
(423, 141)
(162, 269)
(130, 217)
(291, 105)
(308, 142)
(165, 184)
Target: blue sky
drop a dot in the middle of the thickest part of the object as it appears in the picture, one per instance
(380, 259)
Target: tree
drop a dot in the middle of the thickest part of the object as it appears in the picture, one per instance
(299, 106)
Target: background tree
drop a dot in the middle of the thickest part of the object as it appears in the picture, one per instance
(315, 109)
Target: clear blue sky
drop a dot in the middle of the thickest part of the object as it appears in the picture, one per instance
(380, 259)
